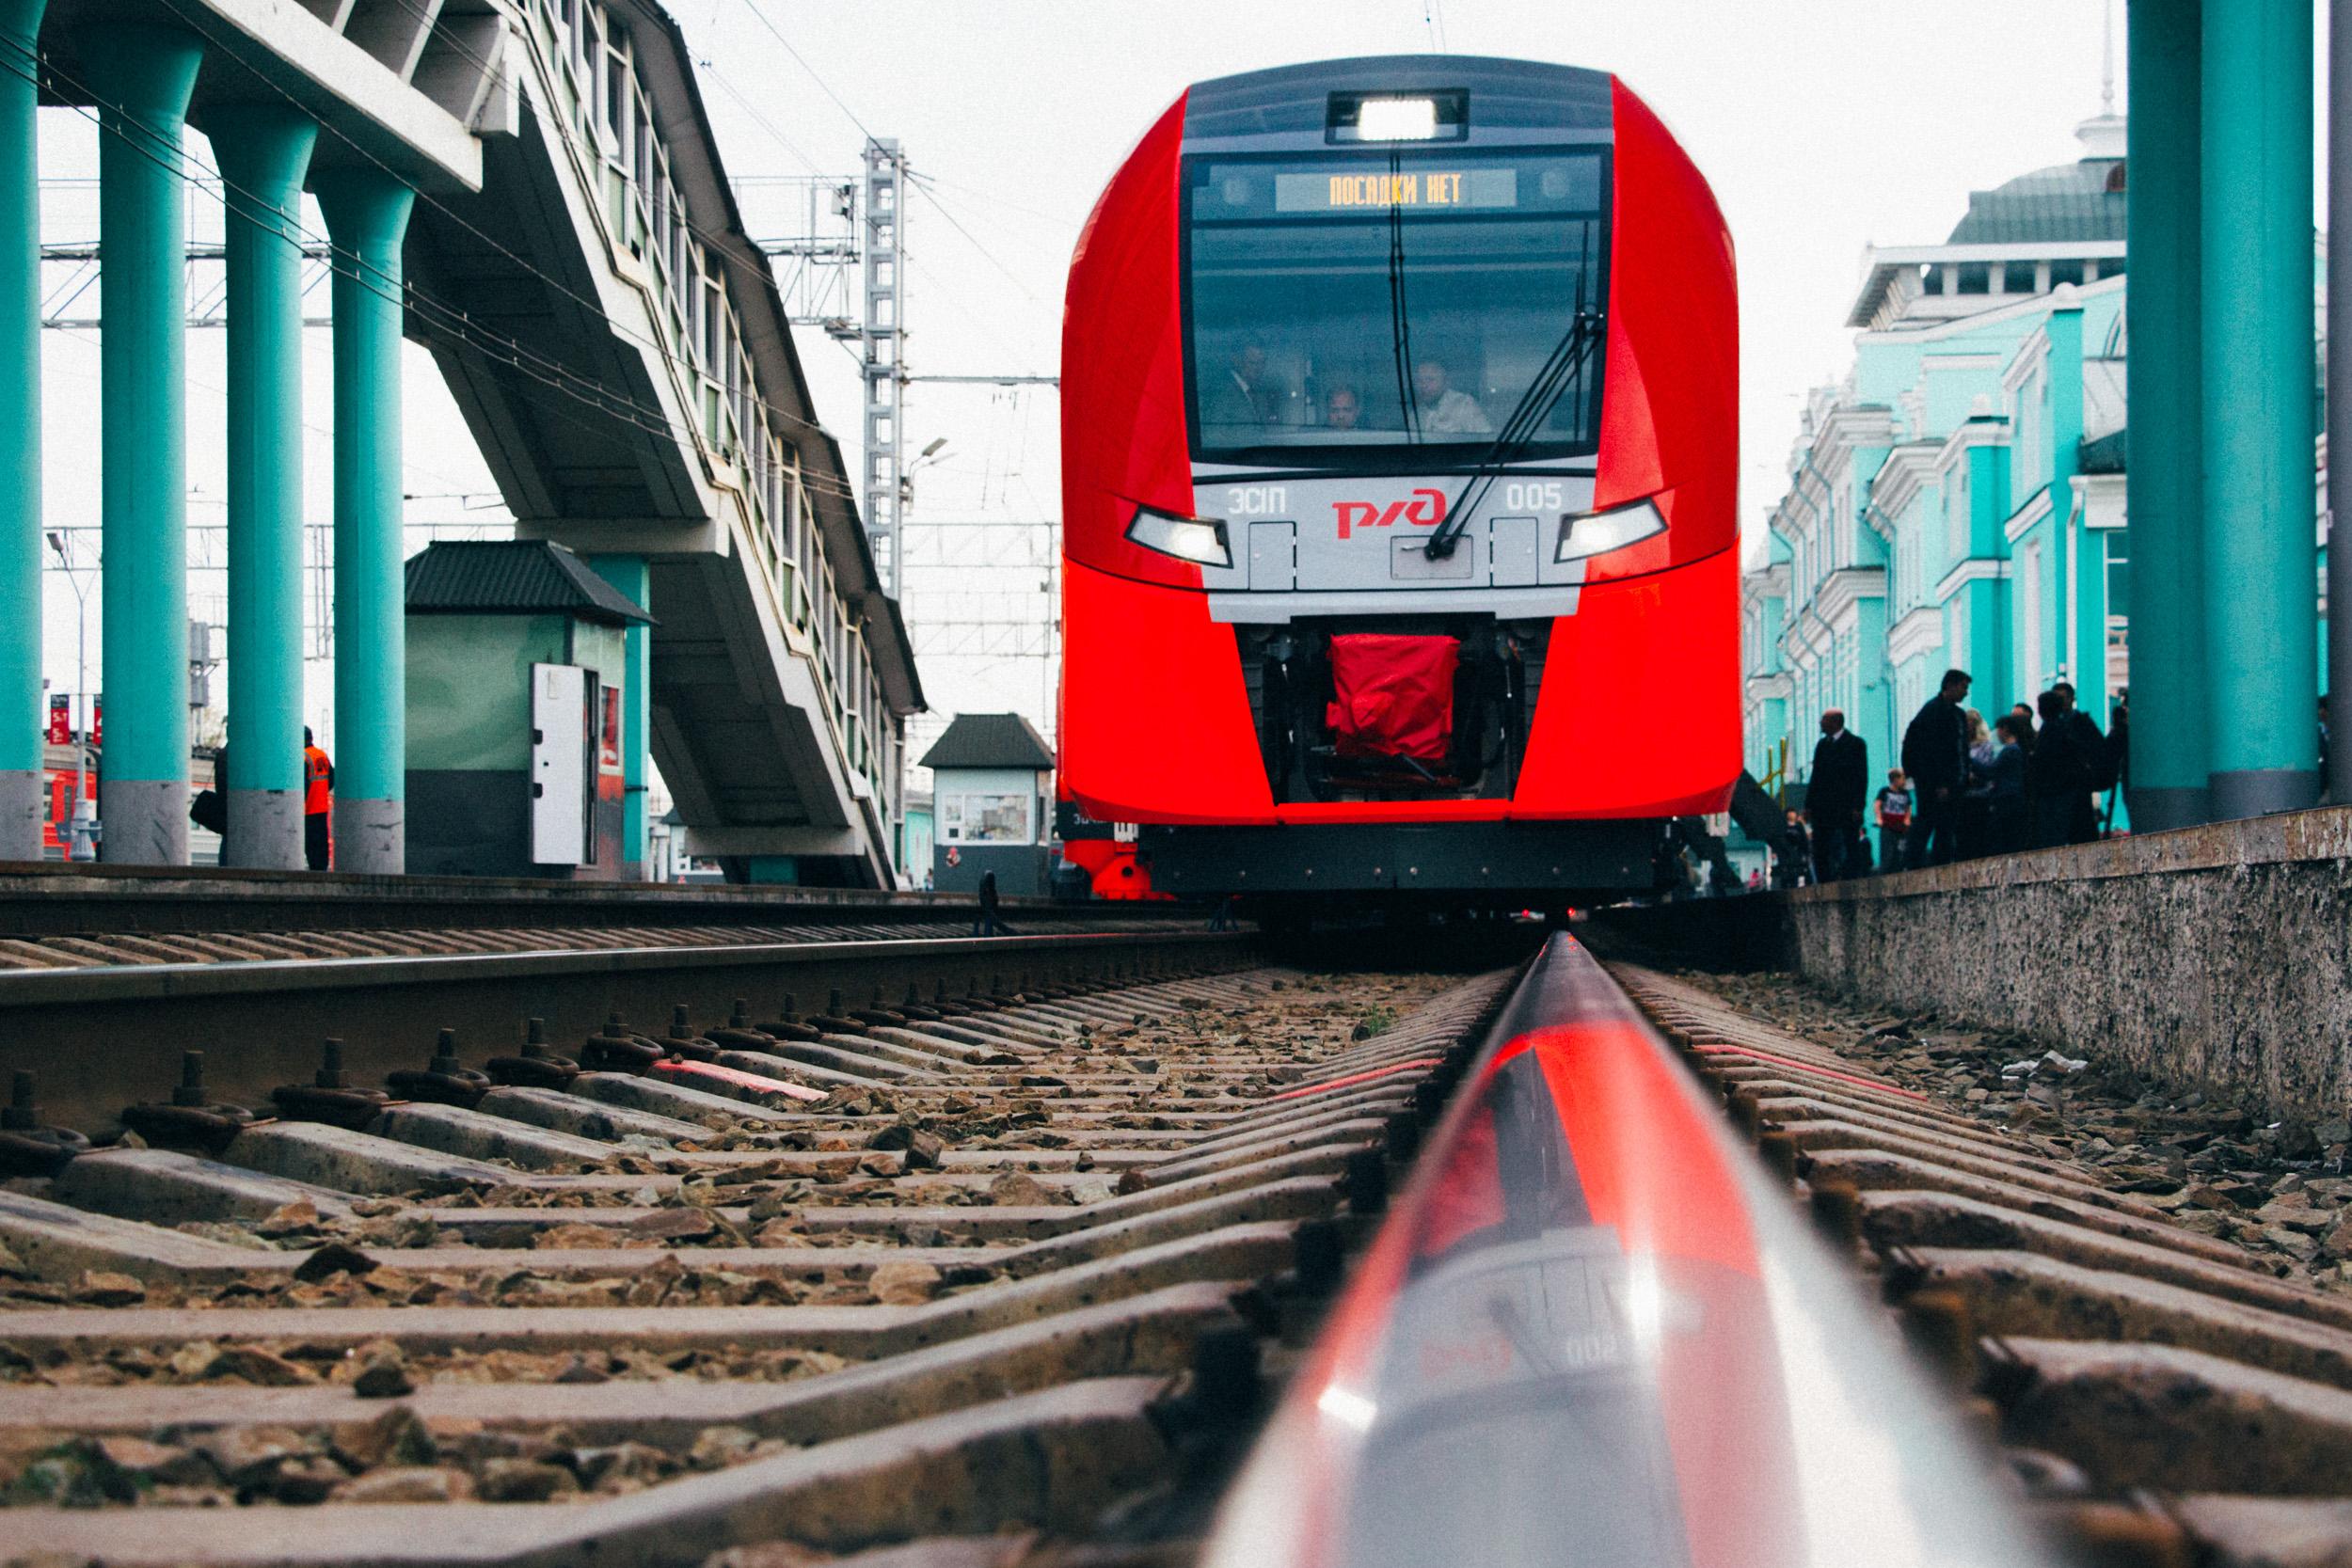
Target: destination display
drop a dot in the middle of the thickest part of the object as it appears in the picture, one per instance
(1453, 187)
(1361, 187)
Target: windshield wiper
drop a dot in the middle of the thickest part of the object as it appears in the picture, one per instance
(1564, 364)
(1400, 321)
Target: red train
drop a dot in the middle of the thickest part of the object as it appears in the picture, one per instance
(1399, 445)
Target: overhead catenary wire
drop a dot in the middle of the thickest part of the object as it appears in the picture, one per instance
(451, 323)
(594, 306)
(922, 187)
(454, 323)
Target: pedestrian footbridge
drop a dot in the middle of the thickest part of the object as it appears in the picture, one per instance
(531, 189)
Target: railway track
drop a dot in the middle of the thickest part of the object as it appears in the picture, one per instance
(119, 949)
(93, 1017)
(2162, 1396)
(1002, 1280)
(962, 1266)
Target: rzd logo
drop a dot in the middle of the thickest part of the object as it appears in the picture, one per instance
(1422, 509)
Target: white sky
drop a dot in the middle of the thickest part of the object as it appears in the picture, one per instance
(1823, 125)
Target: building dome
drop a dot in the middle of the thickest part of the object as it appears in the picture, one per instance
(2083, 201)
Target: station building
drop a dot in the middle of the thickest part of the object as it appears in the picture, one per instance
(1958, 498)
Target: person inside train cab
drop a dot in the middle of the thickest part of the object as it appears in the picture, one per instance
(1245, 394)
(1446, 410)
(1343, 408)
(318, 803)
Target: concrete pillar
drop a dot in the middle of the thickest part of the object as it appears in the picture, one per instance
(143, 76)
(2259, 564)
(2340, 395)
(2082, 638)
(633, 577)
(262, 151)
(20, 803)
(2164, 485)
(367, 214)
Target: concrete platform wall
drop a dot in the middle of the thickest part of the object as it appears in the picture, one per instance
(2220, 955)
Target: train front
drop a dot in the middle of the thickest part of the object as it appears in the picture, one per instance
(1399, 440)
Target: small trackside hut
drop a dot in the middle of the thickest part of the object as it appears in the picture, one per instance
(515, 670)
(992, 786)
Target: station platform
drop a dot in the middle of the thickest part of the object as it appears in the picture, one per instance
(2215, 956)
(49, 898)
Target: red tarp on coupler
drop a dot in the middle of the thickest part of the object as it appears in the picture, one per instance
(1392, 696)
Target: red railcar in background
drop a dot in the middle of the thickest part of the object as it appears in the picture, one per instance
(1399, 440)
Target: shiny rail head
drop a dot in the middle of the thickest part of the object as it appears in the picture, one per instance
(1592, 1331)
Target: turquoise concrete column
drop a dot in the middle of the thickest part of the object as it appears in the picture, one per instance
(2261, 611)
(367, 214)
(2164, 487)
(21, 805)
(143, 76)
(261, 151)
(2340, 393)
(634, 577)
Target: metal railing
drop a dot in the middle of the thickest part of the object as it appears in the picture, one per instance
(585, 60)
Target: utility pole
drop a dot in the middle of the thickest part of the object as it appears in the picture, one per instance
(883, 339)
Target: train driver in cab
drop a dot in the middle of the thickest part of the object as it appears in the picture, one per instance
(1446, 410)
(1246, 394)
(1343, 408)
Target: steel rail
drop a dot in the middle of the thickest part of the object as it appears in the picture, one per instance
(1591, 1321)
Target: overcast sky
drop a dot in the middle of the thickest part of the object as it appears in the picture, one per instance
(1824, 125)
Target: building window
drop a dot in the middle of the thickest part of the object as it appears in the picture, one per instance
(1956, 506)
(2119, 576)
(1976, 277)
(2017, 277)
(2029, 610)
(992, 818)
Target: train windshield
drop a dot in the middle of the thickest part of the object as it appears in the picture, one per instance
(1395, 310)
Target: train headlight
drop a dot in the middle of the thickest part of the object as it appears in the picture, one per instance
(1197, 538)
(1397, 117)
(1397, 120)
(1599, 532)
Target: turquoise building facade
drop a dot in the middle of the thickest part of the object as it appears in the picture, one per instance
(1958, 498)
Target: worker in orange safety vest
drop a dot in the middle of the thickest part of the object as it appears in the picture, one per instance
(318, 803)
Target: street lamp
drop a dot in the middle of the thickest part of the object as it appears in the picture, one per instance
(82, 835)
(923, 459)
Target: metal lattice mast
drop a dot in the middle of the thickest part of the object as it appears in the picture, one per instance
(882, 339)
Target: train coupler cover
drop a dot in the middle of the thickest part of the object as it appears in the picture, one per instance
(1392, 695)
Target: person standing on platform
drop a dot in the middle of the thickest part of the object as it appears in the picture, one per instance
(2023, 713)
(1894, 810)
(2119, 756)
(318, 804)
(2006, 821)
(1794, 867)
(1935, 754)
(2098, 765)
(2058, 776)
(1833, 801)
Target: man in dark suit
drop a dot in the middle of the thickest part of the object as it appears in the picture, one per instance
(1935, 754)
(1833, 797)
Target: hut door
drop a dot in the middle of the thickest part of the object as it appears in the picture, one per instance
(558, 764)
